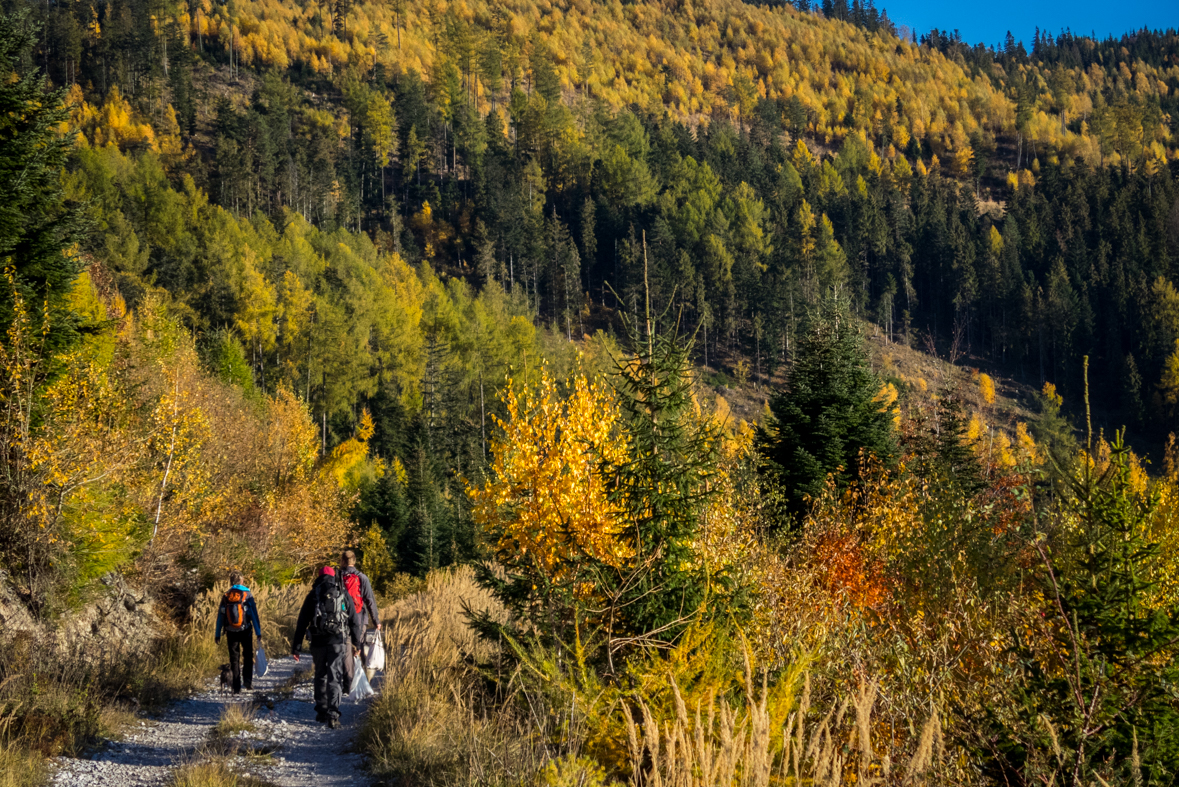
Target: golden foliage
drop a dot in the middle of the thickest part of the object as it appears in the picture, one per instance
(137, 447)
(350, 464)
(546, 500)
(986, 388)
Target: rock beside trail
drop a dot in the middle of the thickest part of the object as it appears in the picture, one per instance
(290, 748)
(14, 616)
(118, 621)
(121, 620)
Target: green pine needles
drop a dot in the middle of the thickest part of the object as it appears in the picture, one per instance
(829, 417)
(37, 224)
(662, 489)
(1097, 700)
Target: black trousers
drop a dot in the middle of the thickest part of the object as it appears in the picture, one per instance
(330, 676)
(241, 657)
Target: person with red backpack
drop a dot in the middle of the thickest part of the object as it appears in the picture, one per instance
(238, 618)
(329, 616)
(361, 591)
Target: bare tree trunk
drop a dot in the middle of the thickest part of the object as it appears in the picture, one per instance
(168, 466)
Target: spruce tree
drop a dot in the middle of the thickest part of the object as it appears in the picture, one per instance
(37, 226)
(828, 418)
(1108, 708)
(662, 489)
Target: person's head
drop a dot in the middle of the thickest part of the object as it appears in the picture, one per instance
(327, 571)
(236, 578)
(348, 558)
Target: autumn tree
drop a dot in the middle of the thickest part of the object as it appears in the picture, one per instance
(380, 129)
(546, 506)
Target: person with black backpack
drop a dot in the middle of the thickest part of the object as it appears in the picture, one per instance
(238, 618)
(331, 619)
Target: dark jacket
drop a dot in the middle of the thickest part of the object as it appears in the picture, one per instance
(307, 614)
(251, 610)
(366, 595)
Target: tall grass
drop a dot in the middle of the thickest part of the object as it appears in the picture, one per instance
(735, 743)
(19, 767)
(437, 721)
(428, 630)
(453, 713)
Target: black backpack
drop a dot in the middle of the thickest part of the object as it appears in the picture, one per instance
(331, 611)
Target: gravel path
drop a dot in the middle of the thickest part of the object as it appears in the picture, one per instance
(293, 749)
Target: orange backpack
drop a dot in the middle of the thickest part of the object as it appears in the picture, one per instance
(235, 609)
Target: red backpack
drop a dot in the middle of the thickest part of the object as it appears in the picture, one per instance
(235, 609)
(352, 585)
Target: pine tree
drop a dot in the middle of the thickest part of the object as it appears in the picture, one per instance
(589, 237)
(1108, 708)
(37, 225)
(489, 267)
(828, 418)
(662, 490)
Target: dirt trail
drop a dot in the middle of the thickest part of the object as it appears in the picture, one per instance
(303, 753)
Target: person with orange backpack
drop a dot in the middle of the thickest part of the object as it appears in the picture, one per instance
(238, 618)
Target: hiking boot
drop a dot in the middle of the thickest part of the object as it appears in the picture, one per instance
(333, 724)
(321, 717)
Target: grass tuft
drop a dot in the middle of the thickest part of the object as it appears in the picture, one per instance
(214, 772)
(19, 767)
(235, 717)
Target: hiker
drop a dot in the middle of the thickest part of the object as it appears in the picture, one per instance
(361, 591)
(238, 618)
(330, 617)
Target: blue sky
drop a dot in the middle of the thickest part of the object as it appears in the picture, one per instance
(989, 21)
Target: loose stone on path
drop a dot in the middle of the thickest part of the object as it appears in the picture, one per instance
(303, 753)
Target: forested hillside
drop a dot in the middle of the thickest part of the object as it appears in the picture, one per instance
(388, 208)
(1023, 202)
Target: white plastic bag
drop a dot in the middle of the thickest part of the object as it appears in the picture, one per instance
(360, 684)
(260, 663)
(374, 650)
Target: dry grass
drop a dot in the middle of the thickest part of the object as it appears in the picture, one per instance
(235, 717)
(428, 630)
(736, 743)
(52, 703)
(19, 767)
(435, 722)
(214, 772)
